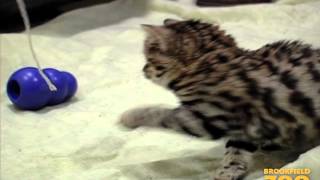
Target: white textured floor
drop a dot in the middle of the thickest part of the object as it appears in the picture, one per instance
(102, 46)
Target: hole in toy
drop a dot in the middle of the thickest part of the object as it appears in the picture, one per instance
(14, 89)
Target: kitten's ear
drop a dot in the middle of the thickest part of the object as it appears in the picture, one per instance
(159, 32)
(168, 22)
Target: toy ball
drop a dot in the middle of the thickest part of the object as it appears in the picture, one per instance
(27, 89)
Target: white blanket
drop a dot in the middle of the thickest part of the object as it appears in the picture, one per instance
(102, 47)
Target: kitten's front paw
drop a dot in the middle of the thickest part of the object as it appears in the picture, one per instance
(146, 116)
(133, 118)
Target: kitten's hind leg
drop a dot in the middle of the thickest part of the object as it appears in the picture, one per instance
(237, 160)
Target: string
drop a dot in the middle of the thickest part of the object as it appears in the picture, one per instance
(25, 18)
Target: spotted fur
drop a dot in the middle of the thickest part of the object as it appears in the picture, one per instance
(265, 99)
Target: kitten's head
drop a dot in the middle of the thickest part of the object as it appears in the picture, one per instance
(171, 48)
(162, 50)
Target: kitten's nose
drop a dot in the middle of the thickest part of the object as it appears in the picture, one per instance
(146, 71)
(145, 68)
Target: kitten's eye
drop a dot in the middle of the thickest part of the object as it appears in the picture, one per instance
(155, 44)
(159, 68)
(153, 47)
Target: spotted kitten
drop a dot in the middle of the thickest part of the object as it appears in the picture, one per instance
(262, 100)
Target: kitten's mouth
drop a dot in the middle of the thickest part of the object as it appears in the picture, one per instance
(147, 76)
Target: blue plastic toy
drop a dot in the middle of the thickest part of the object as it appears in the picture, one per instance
(28, 90)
